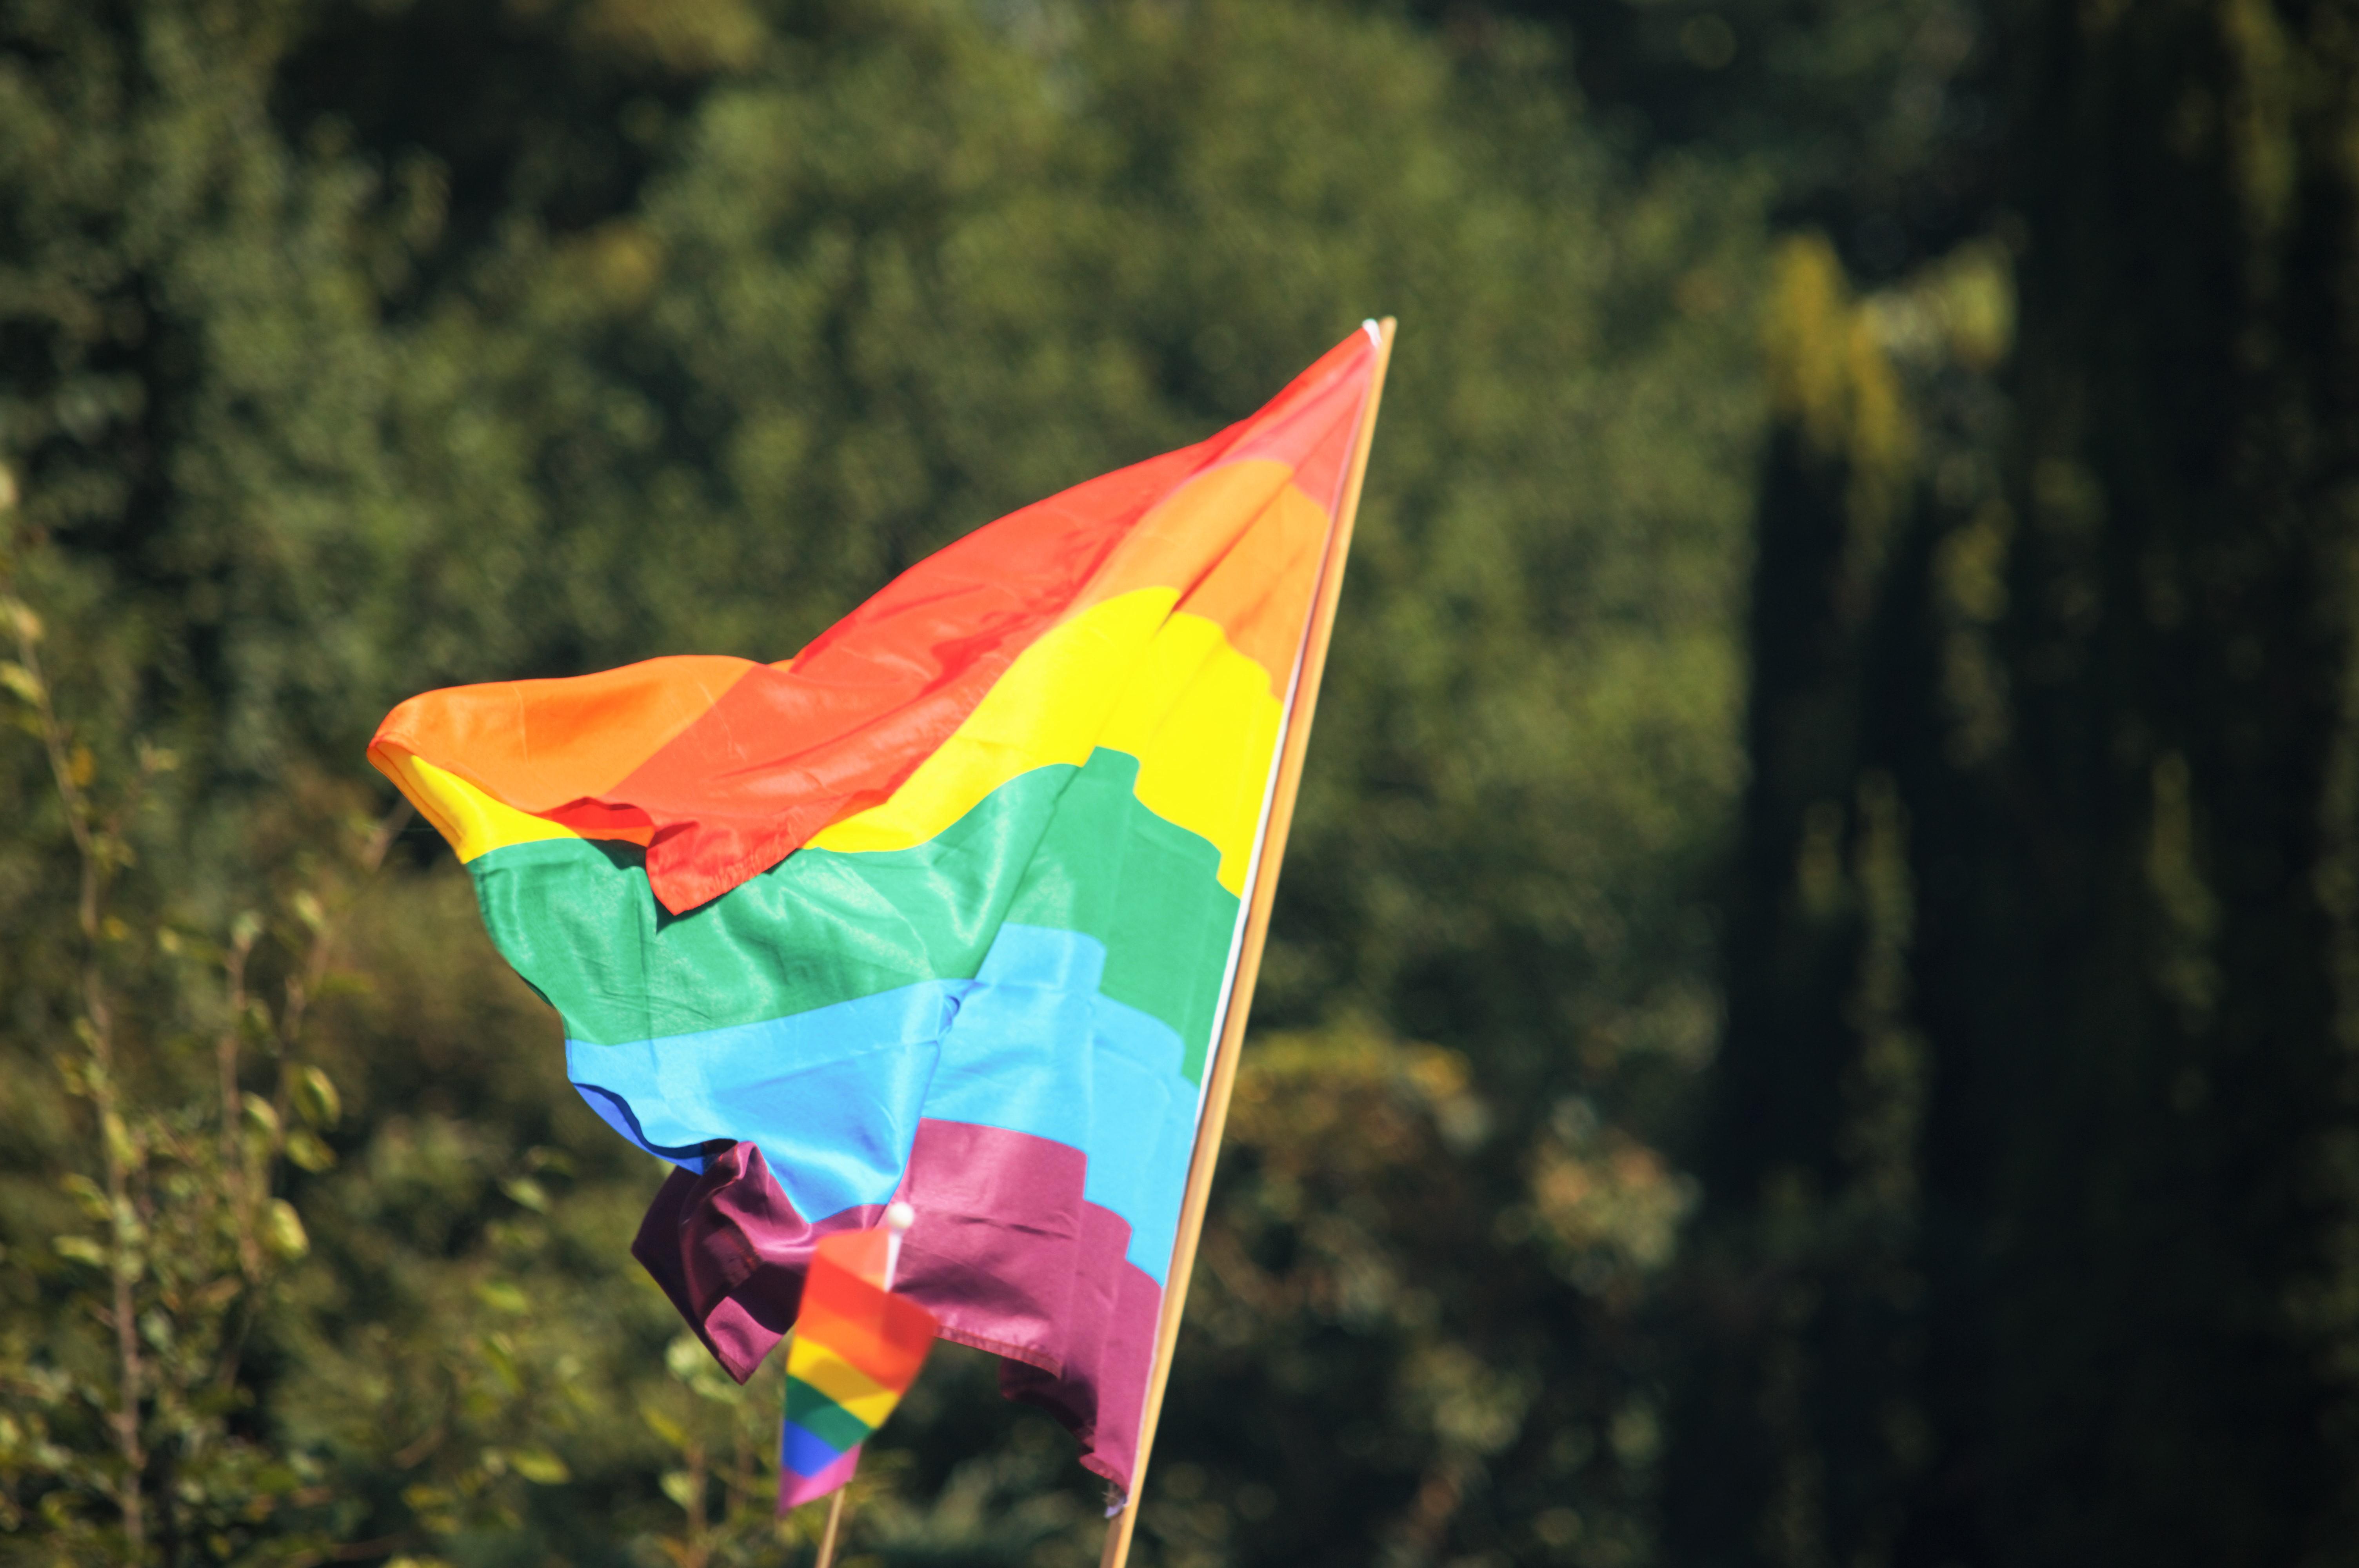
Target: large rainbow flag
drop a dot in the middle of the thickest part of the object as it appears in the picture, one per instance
(945, 908)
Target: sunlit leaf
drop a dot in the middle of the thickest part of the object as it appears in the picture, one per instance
(539, 1466)
(304, 1147)
(79, 1250)
(313, 1095)
(282, 1230)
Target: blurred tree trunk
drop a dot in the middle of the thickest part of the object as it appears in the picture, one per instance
(2174, 1209)
(2106, 1305)
(1802, 1435)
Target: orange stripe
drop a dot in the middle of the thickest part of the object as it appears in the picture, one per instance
(858, 1255)
(1184, 535)
(1259, 593)
(540, 744)
(888, 1342)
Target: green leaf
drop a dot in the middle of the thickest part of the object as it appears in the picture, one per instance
(502, 1363)
(303, 1147)
(539, 1466)
(542, 1158)
(119, 1140)
(282, 1230)
(79, 1250)
(314, 1096)
(684, 1355)
(88, 1195)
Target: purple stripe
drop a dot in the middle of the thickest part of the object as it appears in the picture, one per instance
(1005, 1251)
(1101, 1395)
(730, 1252)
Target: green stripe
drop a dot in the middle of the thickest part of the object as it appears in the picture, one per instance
(1069, 848)
(821, 1416)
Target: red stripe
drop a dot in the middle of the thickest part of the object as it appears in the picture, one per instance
(786, 752)
(885, 1334)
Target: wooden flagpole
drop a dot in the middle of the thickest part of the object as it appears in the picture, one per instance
(1233, 1031)
(826, 1557)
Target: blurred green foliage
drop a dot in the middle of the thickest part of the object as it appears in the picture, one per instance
(356, 349)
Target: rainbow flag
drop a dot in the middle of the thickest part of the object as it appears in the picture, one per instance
(945, 908)
(856, 1349)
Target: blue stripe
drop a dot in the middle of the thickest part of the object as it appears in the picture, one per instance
(618, 1115)
(834, 1096)
(804, 1452)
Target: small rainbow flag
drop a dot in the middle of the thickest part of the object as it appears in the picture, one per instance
(856, 1349)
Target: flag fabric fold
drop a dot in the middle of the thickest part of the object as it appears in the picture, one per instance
(943, 909)
(856, 1348)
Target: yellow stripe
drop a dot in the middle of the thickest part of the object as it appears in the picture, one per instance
(868, 1400)
(1126, 675)
(1204, 749)
(1050, 706)
(474, 822)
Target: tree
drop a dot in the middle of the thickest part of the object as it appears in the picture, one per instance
(2090, 716)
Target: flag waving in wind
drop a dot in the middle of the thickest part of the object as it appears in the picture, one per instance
(944, 909)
